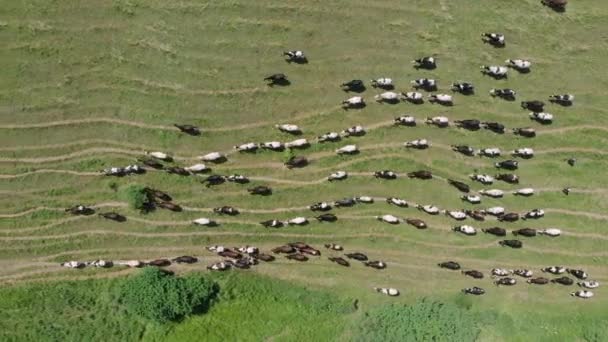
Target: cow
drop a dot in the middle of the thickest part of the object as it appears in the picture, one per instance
(379, 265)
(466, 230)
(526, 132)
(505, 281)
(419, 144)
(477, 215)
(473, 199)
(73, 264)
(188, 129)
(153, 163)
(542, 117)
(203, 221)
(159, 155)
(494, 71)
(397, 202)
(482, 178)
(413, 97)
(533, 214)
(388, 97)
(113, 216)
(176, 170)
(469, 124)
(247, 147)
(526, 192)
(260, 190)
(357, 256)
(523, 273)
(345, 202)
(277, 79)
(428, 62)
(320, 206)
(552, 232)
(510, 178)
(495, 231)
(427, 84)
(491, 152)
(385, 174)
(524, 152)
(348, 149)
(462, 187)
(511, 243)
(477, 291)
(538, 281)
(429, 209)
(494, 193)
(521, 65)
(273, 146)
(296, 56)
(554, 269)
(527, 232)
(340, 261)
(463, 149)
(364, 199)
(327, 218)
(197, 168)
(473, 273)
(556, 5)
(582, 294)
(338, 175)
(298, 221)
(580, 274)
(442, 99)
(389, 291)
(382, 82)
(353, 85)
(439, 121)
(355, 131)
(566, 281)
(419, 224)
(388, 219)
(334, 246)
(285, 249)
(507, 94)
(420, 174)
(297, 257)
(495, 127)
(465, 88)
(591, 284)
(329, 136)
(219, 266)
(500, 272)
(185, 259)
(296, 162)
(213, 180)
(289, 128)
(458, 215)
(159, 263)
(495, 211)
(507, 164)
(298, 143)
(495, 39)
(564, 100)
(508, 217)
(450, 265)
(406, 120)
(80, 210)
(534, 106)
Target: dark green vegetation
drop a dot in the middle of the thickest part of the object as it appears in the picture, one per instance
(162, 297)
(135, 196)
(88, 85)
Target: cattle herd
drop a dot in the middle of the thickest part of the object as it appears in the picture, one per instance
(247, 256)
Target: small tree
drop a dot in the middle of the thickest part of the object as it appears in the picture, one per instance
(136, 196)
(288, 154)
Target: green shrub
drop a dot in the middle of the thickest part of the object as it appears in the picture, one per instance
(161, 297)
(136, 196)
(424, 321)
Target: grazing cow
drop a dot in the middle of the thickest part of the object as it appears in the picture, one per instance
(470, 124)
(526, 132)
(247, 147)
(567, 281)
(427, 84)
(523, 273)
(419, 144)
(113, 216)
(355, 131)
(425, 63)
(473, 273)
(429, 209)
(356, 256)
(524, 192)
(260, 190)
(197, 168)
(188, 129)
(420, 174)
(327, 218)
(382, 82)
(298, 221)
(214, 157)
(538, 281)
(406, 120)
(495, 231)
(507, 94)
(388, 97)
(525, 153)
(177, 171)
(466, 230)
(298, 143)
(591, 284)
(477, 215)
(413, 97)
(272, 224)
(464, 149)
(159, 155)
(203, 221)
(442, 99)
(580, 274)
(494, 193)
(552, 232)
(285, 249)
(505, 281)
(297, 257)
(338, 175)
(353, 85)
(73, 264)
(276, 79)
(495, 211)
(511, 243)
(151, 163)
(419, 224)
(491, 152)
(251, 250)
(154, 194)
(542, 117)
(216, 248)
(185, 259)
(521, 65)
(364, 199)
(228, 253)
(477, 291)
(564, 100)
(273, 146)
(450, 265)
(289, 128)
(495, 127)
(114, 171)
(556, 5)
(473, 199)
(439, 121)
(134, 169)
(554, 269)
(329, 136)
(353, 102)
(389, 291)
(508, 217)
(385, 174)
(582, 294)
(397, 201)
(311, 251)
(482, 178)
(510, 178)
(379, 265)
(388, 219)
(333, 246)
(159, 262)
(320, 206)
(236, 178)
(295, 56)
(459, 185)
(571, 161)
(219, 266)
(494, 71)
(527, 232)
(496, 39)
(458, 215)
(102, 263)
(340, 261)
(80, 210)
(534, 106)
(507, 164)
(348, 149)
(533, 214)
(213, 180)
(500, 272)
(345, 202)
(464, 88)
(296, 162)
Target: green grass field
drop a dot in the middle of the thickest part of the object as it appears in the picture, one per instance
(90, 85)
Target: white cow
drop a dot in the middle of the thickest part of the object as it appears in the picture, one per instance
(212, 157)
(482, 178)
(456, 214)
(466, 230)
(389, 291)
(525, 152)
(158, 155)
(473, 199)
(388, 219)
(248, 249)
(495, 211)
(585, 294)
(387, 96)
(533, 214)
(329, 136)
(413, 96)
(429, 209)
(406, 120)
(348, 149)
(490, 152)
(524, 192)
(102, 263)
(439, 121)
(298, 221)
(397, 201)
(552, 232)
(444, 99)
(500, 272)
(114, 171)
(542, 117)
(355, 101)
(289, 128)
(418, 143)
(73, 264)
(273, 145)
(298, 143)
(355, 130)
(495, 71)
(203, 221)
(339, 175)
(364, 199)
(494, 193)
(248, 147)
(216, 248)
(219, 266)
(519, 64)
(196, 168)
(382, 82)
(130, 263)
(590, 284)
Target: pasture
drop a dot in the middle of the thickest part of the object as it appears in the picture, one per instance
(91, 85)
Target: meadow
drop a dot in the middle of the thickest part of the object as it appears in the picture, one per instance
(90, 85)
